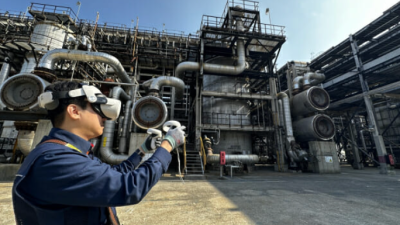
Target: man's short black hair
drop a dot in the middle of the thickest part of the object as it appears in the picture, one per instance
(57, 115)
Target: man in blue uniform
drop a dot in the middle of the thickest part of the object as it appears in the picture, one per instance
(61, 182)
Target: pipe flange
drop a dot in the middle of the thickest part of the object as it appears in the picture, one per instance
(324, 127)
(319, 98)
(45, 73)
(20, 92)
(149, 112)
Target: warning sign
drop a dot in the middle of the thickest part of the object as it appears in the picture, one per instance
(328, 159)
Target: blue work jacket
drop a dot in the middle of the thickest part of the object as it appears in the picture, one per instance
(59, 185)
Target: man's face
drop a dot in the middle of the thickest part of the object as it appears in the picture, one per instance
(92, 123)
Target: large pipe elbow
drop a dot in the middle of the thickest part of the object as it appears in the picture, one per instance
(159, 82)
(51, 57)
(106, 151)
(119, 93)
(311, 79)
(216, 68)
(297, 83)
(186, 66)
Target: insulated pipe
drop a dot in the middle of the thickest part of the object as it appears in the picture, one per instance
(107, 144)
(5, 70)
(297, 84)
(215, 68)
(287, 116)
(281, 119)
(246, 159)
(311, 79)
(25, 140)
(296, 155)
(159, 82)
(49, 59)
(119, 93)
(109, 127)
(123, 139)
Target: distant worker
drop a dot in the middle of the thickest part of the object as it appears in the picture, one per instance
(61, 182)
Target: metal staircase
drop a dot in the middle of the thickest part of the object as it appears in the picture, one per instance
(194, 164)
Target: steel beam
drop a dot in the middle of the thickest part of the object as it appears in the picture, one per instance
(367, 66)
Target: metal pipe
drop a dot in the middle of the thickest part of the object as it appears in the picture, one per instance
(149, 67)
(311, 79)
(287, 115)
(159, 82)
(107, 144)
(216, 68)
(119, 93)
(25, 140)
(281, 119)
(295, 154)
(109, 127)
(297, 83)
(246, 159)
(5, 70)
(123, 138)
(51, 57)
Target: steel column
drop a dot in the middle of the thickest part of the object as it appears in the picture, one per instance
(378, 140)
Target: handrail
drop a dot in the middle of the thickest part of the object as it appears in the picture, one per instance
(203, 152)
(184, 156)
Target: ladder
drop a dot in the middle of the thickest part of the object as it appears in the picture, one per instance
(194, 164)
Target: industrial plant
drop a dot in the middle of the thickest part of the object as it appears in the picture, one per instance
(240, 111)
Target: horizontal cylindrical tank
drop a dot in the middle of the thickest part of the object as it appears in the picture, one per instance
(317, 127)
(246, 159)
(21, 92)
(312, 100)
(149, 112)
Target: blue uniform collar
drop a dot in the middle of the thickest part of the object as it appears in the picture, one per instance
(71, 138)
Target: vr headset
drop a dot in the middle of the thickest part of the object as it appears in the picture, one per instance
(106, 107)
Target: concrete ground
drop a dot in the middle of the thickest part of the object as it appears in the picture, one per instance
(263, 197)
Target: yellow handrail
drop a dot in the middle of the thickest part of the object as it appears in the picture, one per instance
(184, 154)
(203, 152)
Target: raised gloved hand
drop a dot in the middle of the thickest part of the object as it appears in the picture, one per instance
(152, 141)
(175, 137)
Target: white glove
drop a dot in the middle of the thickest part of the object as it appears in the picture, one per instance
(151, 143)
(175, 136)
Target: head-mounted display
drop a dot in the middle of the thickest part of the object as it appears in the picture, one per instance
(106, 107)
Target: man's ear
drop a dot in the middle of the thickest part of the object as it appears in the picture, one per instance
(73, 112)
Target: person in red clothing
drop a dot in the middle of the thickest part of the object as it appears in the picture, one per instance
(61, 182)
